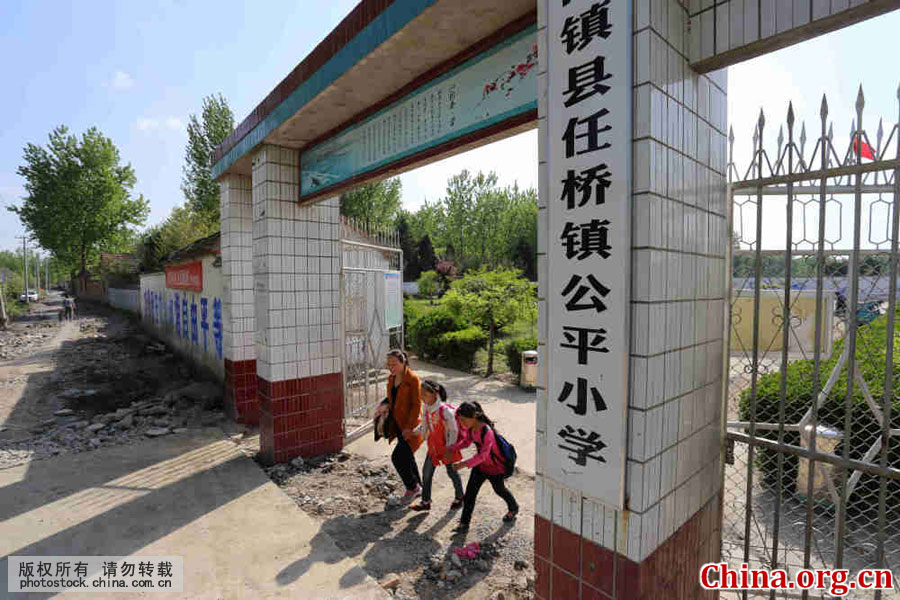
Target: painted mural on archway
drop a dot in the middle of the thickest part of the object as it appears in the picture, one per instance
(492, 87)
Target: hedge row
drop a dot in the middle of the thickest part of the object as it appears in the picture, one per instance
(871, 358)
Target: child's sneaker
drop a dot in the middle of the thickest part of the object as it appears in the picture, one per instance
(410, 495)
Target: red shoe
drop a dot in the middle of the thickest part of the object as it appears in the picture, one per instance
(421, 506)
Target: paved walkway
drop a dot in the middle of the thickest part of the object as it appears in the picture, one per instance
(192, 495)
(512, 408)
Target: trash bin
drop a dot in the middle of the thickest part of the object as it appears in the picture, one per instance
(528, 378)
(827, 440)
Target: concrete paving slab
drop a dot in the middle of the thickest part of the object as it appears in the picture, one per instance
(512, 408)
(192, 495)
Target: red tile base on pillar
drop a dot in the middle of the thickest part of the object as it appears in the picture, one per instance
(570, 567)
(241, 402)
(300, 417)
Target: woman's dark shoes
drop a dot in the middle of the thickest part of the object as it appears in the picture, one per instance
(461, 528)
(421, 506)
(510, 516)
(457, 504)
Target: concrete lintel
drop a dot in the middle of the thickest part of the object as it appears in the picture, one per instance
(796, 35)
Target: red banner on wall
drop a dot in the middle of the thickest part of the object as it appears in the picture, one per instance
(188, 276)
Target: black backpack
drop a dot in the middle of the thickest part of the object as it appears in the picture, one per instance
(507, 453)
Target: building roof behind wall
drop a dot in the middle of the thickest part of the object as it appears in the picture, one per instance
(202, 247)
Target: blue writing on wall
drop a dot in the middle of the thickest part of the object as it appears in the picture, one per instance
(217, 325)
(204, 324)
(171, 312)
(194, 331)
(184, 316)
(177, 314)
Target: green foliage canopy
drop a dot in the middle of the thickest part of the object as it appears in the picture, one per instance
(78, 199)
(492, 299)
(375, 205)
(204, 134)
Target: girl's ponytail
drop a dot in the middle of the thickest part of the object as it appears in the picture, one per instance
(473, 410)
(435, 387)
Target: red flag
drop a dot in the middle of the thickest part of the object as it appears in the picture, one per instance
(865, 150)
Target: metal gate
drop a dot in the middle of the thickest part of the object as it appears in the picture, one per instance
(366, 256)
(811, 475)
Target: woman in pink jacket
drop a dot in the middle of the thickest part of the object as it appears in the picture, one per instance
(486, 464)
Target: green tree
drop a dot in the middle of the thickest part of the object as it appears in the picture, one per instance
(204, 134)
(492, 299)
(78, 196)
(425, 256)
(428, 285)
(181, 228)
(375, 205)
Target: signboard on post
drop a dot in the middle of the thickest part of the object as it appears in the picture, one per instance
(589, 244)
(494, 86)
(393, 300)
(188, 276)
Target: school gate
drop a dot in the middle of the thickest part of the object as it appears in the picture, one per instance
(629, 99)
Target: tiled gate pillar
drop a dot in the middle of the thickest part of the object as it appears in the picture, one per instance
(671, 525)
(235, 204)
(296, 269)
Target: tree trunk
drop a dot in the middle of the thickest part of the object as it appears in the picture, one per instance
(83, 259)
(490, 365)
(4, 320)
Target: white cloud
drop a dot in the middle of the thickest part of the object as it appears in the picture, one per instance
(170, 123)
(145, 124)
(121, 81)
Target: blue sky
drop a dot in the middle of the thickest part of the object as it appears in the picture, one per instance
(137, 70)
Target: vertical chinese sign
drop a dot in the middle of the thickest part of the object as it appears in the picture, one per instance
(589, 246)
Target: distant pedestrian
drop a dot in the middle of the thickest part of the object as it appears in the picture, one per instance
(441, 431)
(67, 307)
(74, 310)
(397, 419)
(488, 463)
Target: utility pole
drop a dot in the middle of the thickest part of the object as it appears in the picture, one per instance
(25, 263)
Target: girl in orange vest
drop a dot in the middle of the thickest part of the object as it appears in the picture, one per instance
(441, 430)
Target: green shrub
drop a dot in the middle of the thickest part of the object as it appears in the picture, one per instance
(457, 349)
(871, 360)
(513, 350)
(411, 313)
(424, 334)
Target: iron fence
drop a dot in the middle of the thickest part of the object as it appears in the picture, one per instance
(366, 255)
(812, 465)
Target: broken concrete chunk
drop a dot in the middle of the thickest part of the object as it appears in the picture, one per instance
(157, 432)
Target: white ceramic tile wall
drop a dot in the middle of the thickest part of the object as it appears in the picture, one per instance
(720, 26)
(678, 241)
(238, 318)
(296, 272)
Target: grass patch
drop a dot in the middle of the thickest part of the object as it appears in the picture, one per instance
(421, 305)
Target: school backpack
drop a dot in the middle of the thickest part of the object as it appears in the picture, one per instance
(507, 453)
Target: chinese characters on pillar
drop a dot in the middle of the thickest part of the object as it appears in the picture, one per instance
(588, 115)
